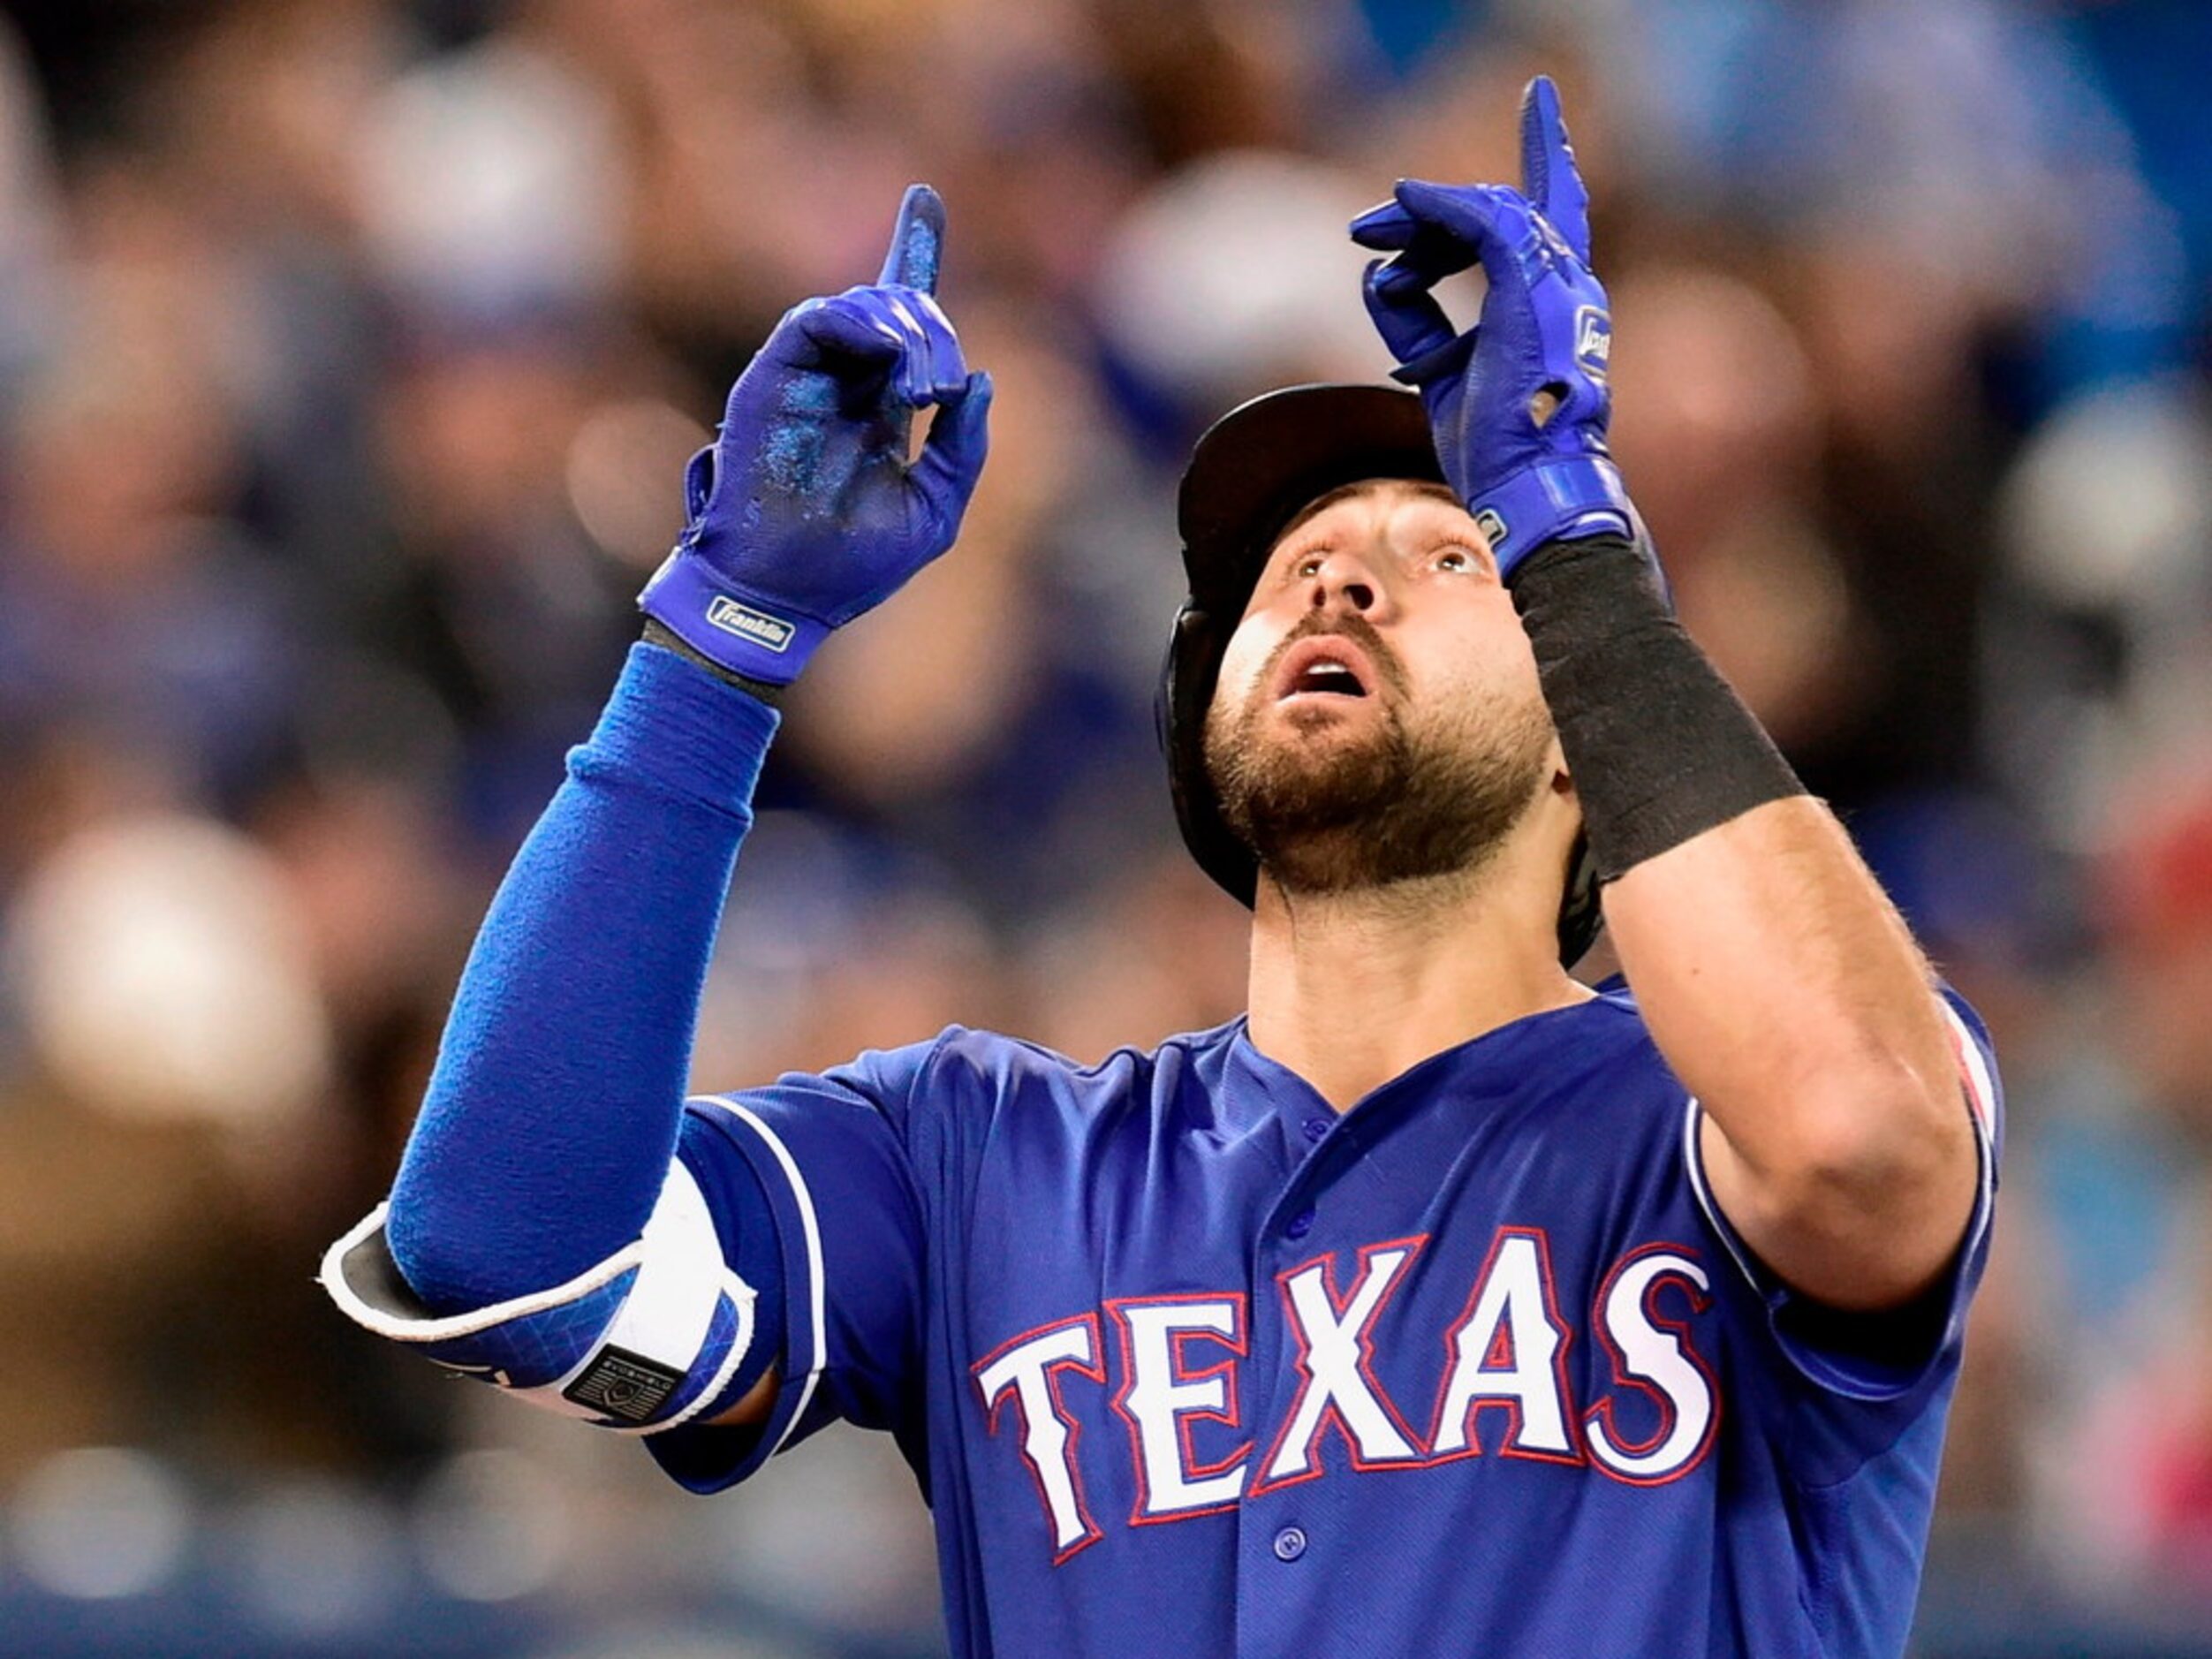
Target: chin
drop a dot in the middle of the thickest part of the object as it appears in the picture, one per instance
(1332, 719)
(1334, 797)
(1312, 748)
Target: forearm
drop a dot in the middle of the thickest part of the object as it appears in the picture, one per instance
(552, 1113)
(1774, 974)
(1787, 994)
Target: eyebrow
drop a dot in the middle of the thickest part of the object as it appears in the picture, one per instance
(1345, 492)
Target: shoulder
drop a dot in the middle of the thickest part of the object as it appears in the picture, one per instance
(965, 1073)
(1605, 1050)
(1011, 1071)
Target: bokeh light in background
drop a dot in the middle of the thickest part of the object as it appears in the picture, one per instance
(350, 352)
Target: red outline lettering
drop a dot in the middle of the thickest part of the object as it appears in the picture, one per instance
(1327, 1263)
(1238, 1343)
(1573, 1458)
(1096, 1372)
(1700, 1301)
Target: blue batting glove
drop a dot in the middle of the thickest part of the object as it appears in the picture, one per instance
(1519, 403)
(805, 512)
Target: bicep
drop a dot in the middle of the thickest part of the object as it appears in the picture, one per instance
(1811, 1276)
(1855, 1250)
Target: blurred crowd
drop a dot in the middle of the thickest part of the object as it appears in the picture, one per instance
(350, 354)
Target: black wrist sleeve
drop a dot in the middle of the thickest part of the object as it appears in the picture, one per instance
(657, 633)
(1661, 748)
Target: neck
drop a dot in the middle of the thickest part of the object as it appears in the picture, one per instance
(1349, 990)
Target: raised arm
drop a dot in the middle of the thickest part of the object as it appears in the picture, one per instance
(1775, 978)
(540, 1221)
(1788, 996)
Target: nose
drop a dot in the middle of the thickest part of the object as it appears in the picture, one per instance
(1346, 580)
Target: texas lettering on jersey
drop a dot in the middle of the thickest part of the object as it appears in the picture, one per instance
(1171, 1370)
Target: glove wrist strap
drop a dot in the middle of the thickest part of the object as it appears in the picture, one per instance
(658, 633)
(1560, 500)
(726, 628)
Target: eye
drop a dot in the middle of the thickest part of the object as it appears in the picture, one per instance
(1456, 558)
(1308, 563)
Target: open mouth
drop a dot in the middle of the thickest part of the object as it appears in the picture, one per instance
(1323, 665)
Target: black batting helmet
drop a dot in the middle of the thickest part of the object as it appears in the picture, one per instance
(1251, 473)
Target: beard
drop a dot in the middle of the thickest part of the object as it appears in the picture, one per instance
(1423, 793)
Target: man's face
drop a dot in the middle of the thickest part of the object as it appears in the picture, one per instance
(1378, 716)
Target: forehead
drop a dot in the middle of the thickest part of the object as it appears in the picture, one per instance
(1366, 490)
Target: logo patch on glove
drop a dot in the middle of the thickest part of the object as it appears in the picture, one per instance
(624, 1385)
(1493, 527)
(771, 633)
(1593, 341)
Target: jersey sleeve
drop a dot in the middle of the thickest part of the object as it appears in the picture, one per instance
(829, 1153)
(1889, 1363)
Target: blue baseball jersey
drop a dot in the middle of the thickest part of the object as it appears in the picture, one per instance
(1186, 1362)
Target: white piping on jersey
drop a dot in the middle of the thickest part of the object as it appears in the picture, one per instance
(1983, 1094)
(1980, 1108)
(1981, 1104)
(817, 1310)
(1693, 1160)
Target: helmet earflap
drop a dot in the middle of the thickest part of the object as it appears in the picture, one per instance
(1186, 690)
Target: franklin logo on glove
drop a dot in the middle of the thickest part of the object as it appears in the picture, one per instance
(1593, 341)
(747, 624)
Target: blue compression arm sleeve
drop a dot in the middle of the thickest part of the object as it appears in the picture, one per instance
(552, 1113)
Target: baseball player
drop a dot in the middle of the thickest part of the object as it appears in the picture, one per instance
(1437, 1306)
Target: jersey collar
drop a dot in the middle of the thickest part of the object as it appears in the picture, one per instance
(1483, 1071)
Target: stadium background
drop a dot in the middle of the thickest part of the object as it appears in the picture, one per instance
(350, 352)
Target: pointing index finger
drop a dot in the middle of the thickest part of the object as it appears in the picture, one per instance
(917, 241)
(1549, 176)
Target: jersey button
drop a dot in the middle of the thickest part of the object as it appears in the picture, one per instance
(1298, 1225)
(1315, 1129)
(1290, 1544)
